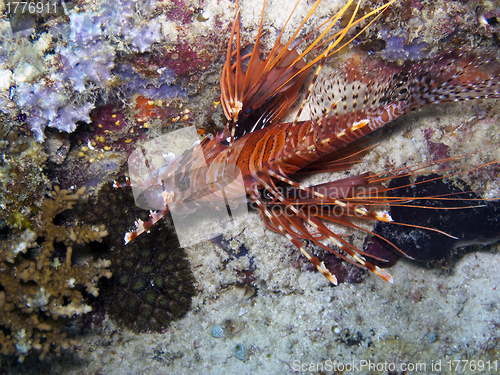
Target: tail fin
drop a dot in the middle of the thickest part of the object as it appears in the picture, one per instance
(367, 87)
(449, 77)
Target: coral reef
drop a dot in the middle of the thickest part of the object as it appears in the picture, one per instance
(56, 74)
(152, 283)
(55, 95)
(414, 30)
(39, 289)
(295, 314)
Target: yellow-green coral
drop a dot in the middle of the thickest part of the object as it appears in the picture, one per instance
(22, 181)
(39, 289)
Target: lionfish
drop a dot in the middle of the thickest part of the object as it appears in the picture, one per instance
(345, 106)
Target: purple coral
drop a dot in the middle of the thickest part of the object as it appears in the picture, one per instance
(161, 87)
(397, 48)
(145, 36)
(50, 101)
(87, 63)
(87, 55)
(84, 29)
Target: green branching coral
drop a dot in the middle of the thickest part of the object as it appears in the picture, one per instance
(22, 182)
(37, 289)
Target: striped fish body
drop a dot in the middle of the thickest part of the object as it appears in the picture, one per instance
(364, 102)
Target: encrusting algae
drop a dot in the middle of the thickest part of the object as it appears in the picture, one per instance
(37, 288)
